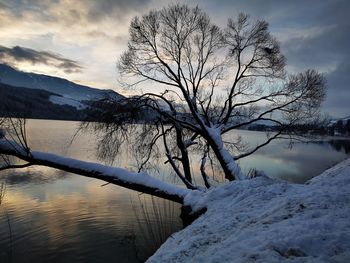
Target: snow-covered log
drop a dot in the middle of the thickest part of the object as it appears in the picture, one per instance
(141, 182)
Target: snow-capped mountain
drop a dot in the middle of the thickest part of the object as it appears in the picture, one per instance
(63, 87)
(30, 95)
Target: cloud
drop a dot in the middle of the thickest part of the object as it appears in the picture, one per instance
(19, 54)
(77, 11)
(325, 48)
(101, 9)
(313, 34)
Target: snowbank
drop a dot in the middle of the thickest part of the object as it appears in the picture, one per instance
(264, 220)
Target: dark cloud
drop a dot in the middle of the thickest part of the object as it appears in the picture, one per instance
(104, 8)
(324, 49)
(338, 96)
(18, 7)
(20, 54)
(328, 52)
(77, 11)
(281, 12)
(334, 12)
(316, 34)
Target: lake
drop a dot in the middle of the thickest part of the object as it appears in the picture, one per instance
(53, 216)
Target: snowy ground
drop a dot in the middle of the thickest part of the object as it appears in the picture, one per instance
(263, 220)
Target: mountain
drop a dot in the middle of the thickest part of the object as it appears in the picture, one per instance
(38, 104)
(31, 95)
(63, 87)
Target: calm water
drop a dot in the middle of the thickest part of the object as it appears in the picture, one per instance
(60, 217)
(52, 216)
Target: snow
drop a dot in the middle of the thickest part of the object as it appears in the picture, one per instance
(59, 100)
(264, 220)
(215, 134)
(114, 172)
(96, 170)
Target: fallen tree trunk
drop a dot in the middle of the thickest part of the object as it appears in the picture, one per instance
(141, 182)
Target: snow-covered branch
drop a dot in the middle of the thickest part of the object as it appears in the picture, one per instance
(141, 182)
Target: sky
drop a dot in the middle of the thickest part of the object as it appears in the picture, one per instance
(82, 40)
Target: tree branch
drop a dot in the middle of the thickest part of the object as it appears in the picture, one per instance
(141, 182)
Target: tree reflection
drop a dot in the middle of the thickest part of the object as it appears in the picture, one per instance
(340, 145)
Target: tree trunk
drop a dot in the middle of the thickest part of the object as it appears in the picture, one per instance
(231, 169)
(184, 155)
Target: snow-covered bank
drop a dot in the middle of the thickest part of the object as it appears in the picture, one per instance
(263, 220)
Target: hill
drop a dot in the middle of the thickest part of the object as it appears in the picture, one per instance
(60, 86)
(31, 95)
(38, 104)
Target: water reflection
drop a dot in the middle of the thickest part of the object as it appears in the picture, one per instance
(27, 176)
(84, 222)
(339, 145)
(299, 163)
(61, 217)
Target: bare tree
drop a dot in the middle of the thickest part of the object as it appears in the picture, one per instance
(209, 81)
